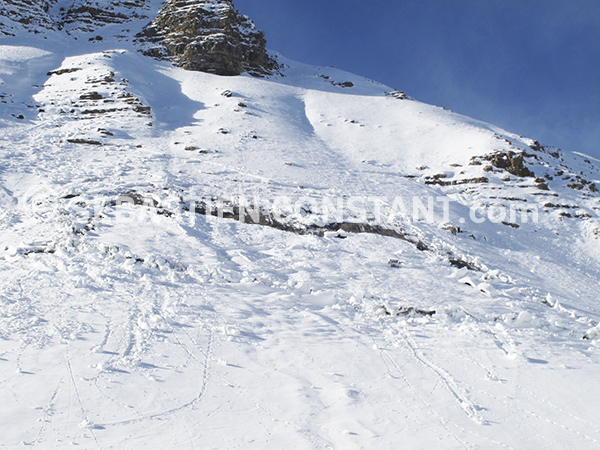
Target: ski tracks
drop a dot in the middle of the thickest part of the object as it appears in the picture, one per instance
(85, 423)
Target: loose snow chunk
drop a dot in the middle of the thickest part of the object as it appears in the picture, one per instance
(87, 425)
(592, 333)
(523, 320)
(459, 273)
(487, 288)
(467, 280)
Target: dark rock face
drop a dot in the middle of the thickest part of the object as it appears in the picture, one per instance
(86, 15)
(38, 16)
(511, 162)
(30, 14)
(207, 36)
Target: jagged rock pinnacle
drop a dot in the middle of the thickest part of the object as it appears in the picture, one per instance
(207, 36)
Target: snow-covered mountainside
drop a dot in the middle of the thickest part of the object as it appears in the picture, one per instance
(305, 260)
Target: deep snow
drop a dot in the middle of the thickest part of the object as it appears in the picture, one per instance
(128, 326)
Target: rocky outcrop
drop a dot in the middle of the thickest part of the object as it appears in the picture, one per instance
(32, 15)
(203, 35)
(207, 36)
(38, 16)
(85, 15)
(511, 162)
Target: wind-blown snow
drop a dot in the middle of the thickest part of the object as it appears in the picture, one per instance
(128, 326)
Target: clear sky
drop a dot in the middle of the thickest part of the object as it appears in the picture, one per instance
(530, 66)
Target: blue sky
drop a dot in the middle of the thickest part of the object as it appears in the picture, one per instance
(530, 66)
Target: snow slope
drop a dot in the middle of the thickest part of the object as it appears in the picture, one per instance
(128, 325)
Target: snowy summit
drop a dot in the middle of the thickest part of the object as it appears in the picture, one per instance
(204, 244)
